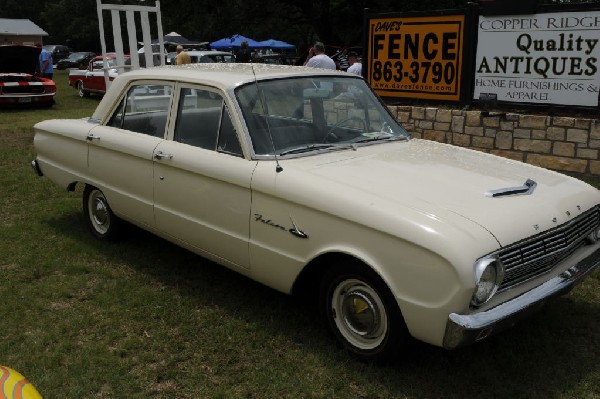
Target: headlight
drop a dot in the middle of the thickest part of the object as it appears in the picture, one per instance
(489, 273)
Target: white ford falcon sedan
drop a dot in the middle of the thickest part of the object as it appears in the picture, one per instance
(302, 180)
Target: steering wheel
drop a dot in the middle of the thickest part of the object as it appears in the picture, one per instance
(331, 131)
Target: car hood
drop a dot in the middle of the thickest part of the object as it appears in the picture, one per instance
(18, 59)
(437, 178)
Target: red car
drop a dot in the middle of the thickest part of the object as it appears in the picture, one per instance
(91, 80)
(18, 83)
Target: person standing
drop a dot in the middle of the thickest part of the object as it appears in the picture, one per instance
(342, 59)
(243, 55)
(45, 61)
(355, 65)
(318, 59)
(182, 56)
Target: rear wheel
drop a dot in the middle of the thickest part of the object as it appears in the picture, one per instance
(362, 313)
(81, 91)
(99, 218)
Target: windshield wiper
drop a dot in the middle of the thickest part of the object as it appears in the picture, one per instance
(380, 137)
(307, 148)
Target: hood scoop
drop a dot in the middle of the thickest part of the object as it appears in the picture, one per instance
(525, 189)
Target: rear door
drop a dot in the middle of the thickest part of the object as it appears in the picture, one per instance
(121, 152)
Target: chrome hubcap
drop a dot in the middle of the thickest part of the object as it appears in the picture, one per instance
(359, 314)
(99, 212)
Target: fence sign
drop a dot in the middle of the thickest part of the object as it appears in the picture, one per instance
(416, 57)
(549, 58)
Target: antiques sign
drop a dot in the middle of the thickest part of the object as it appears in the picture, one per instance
(416, 57)
(548, 58)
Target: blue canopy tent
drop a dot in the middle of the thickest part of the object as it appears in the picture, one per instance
(276, 45)
(234, 42)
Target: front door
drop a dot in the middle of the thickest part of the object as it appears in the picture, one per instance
(94, 76)
(202, 181)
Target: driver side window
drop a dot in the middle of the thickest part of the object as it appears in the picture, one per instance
(203, 121)
(97, 65)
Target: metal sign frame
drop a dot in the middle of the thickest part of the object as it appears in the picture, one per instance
(130, 10)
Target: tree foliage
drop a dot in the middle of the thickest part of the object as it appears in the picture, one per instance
(301, 22)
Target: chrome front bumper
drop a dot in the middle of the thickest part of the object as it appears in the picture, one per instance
(465, 329)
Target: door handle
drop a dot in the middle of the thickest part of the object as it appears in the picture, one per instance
(91, 137)
(161, 155)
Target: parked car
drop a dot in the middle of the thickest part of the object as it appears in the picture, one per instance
(203, 56)
(18, 83)
(91, 80)
(301, 179)
(278, 59)
(210, 56)
(156, 56)
(170, 58)
(58, 52)
(76, 60)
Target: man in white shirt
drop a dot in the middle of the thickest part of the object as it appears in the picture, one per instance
(355, 66)
(318, 59)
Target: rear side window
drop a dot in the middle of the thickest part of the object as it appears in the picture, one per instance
(144, 110)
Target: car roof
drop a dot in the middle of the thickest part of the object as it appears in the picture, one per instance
(225, 76)
(52, 46)
(78, 53)
(108, 56)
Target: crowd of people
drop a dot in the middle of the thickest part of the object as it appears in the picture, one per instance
(347, 61)
(344, 60)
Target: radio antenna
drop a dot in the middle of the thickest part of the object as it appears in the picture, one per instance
(263, 104)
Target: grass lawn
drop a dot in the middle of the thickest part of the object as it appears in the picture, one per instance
(143, 318)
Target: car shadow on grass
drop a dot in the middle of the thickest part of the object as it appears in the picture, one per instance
(549, 355)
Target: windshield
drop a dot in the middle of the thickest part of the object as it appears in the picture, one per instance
(316, 113)
(76, 56)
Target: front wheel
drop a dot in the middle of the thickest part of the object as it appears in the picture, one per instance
(99, 218)
(362, 313)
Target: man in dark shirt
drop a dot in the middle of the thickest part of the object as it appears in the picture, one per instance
(243, 55)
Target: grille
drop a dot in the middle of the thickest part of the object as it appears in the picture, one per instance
(38, 89)
(536, 255)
